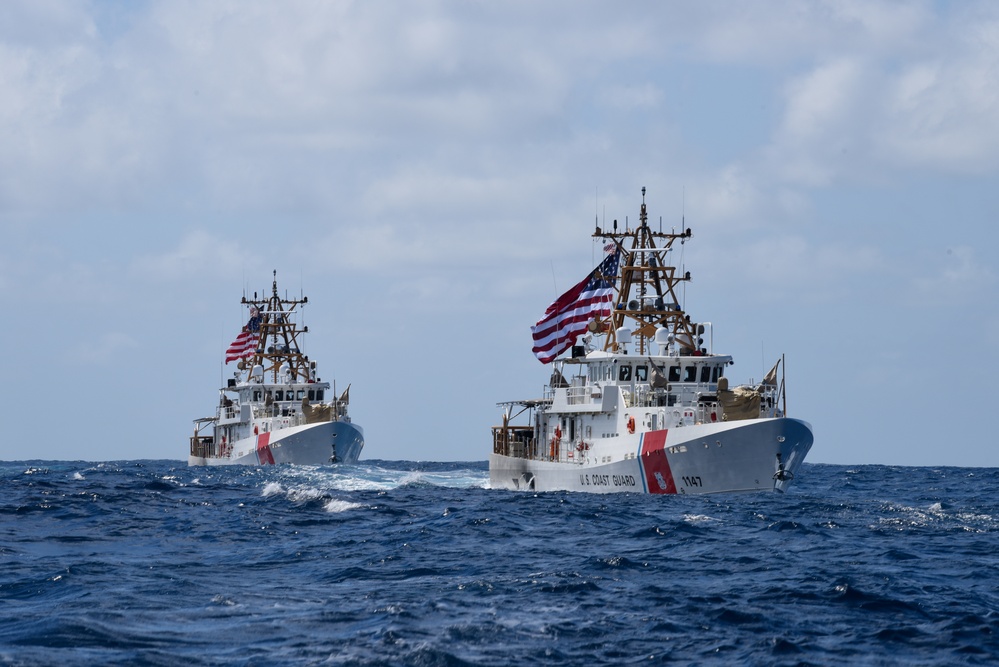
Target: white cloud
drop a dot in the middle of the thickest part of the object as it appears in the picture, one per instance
(199, 254)
(960, 279)
(941, 112)
(624, 97)
(783, 31)
(931, 106)
(822, 124)
(781, 266)
(732, 198)
(108, 346)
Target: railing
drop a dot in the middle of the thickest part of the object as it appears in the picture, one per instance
(517, 441)
(205, 447)
(296, 417)
(677, 396)
(581, 395)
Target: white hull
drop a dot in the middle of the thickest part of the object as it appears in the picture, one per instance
(309, 444)
(708, 458)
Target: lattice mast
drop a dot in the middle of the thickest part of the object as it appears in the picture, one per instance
(279, 336)
(647, 298)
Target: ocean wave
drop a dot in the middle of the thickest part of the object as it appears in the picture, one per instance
(417, 563)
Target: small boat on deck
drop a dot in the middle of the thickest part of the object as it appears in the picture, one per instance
(641, 403)
(274, 408)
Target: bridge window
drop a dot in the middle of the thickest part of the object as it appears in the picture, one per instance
(674, 373)
(642, 373)
(705, 373)
(690, 374)
(624, 375)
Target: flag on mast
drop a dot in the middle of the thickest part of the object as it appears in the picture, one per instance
(245, 344)
(567, 317)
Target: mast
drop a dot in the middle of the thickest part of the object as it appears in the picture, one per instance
(647, 298)
(279, 336)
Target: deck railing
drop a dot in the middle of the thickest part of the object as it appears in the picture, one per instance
(203, 446)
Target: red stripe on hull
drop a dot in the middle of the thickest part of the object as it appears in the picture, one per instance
(264, 449)
(655, 466)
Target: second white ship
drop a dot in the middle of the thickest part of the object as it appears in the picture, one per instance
(274, 408)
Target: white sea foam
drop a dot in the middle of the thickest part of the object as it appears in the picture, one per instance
(333, 505)
(412, 477)
(904, 516)
(303, 484)
(77, 475)
(304, 494)
(272, 488)
(363, 477)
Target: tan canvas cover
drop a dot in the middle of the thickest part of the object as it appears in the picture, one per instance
(316, 413)
(738, 403)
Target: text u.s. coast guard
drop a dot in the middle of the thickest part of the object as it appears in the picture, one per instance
(607, 480)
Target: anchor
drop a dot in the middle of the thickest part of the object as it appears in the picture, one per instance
(782, 475)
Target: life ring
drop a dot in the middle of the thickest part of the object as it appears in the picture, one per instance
(631, 424)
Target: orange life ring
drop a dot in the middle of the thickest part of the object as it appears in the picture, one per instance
(631, 424)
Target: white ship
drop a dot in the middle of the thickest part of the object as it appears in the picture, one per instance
(649, 410)
(274, 408)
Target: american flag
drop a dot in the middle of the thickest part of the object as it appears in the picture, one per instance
(245, 344)
(254, 323)
(569, 314)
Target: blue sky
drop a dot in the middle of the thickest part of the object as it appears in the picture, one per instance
(428, 173)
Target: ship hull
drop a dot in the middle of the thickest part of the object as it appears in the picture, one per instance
(727, 457)
(310, 444)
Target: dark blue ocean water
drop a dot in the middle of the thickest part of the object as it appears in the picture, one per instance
(399, 563)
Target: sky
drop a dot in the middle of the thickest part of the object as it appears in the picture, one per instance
(429, 173)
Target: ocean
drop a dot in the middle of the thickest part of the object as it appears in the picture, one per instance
(406, 563)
